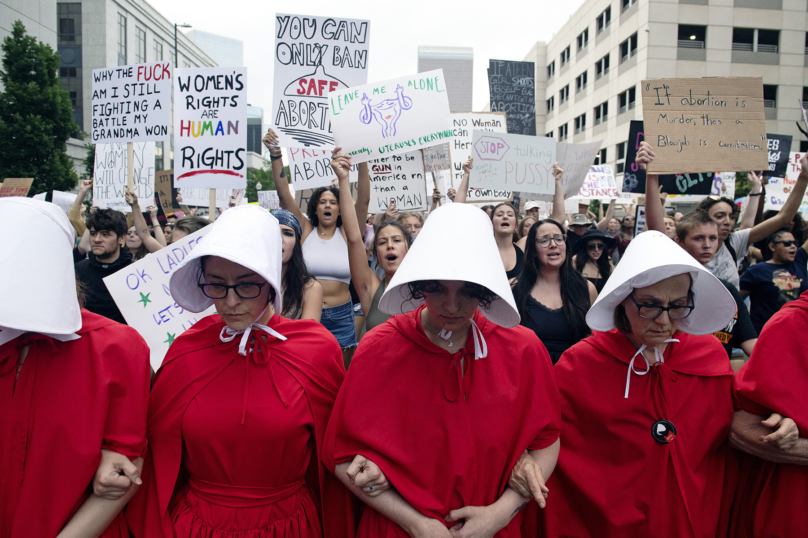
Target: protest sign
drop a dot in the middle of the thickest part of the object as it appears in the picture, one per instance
(109, 182)
(314, 56)
(210, 128)
(269, 200)
(40, 196)
(598, 185)
(13, 186)
(778, 189)
(576, 161)
(705, 124)
(724, 184)
(164, 186)
(131, 103)
(674, 184)
(512, 89)
(63, 199)
(436, 158)
(779, 147)
(639, 220)
(513, 162)
(142, 295)
(311, 168)
(391, 117)
(397, 179)
(463, 126)
(201, 197)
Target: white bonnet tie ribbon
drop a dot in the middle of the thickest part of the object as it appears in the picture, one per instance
(480, 347)
(242, 346)
(657, 354)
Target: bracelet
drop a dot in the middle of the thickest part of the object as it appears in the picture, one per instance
(756, 194)
(275, 157)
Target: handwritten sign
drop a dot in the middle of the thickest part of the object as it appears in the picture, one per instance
(778, 189)
(164, 186)
(210, 128)
(311, 168)
(201, 197)
(397, 179)
(109, 184)
(131, 103)
(512, 88)
(513, 162)
(779, 147)
(463, 126)
(63, 199)
(598, 185)
(269, 200)
(142, 295)
(436, 158)
(391, 117)
(705, 124)
(12, 186)
(314, 56)
(576, 161)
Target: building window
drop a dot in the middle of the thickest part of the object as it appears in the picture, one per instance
(604, 19)
(754, 40)
(621, 157)
(549, 135)
(601, 112)
(626, 100)
(583, 39)
(562, 132)
(806, 43)
(804, 97)
(158, 51)
(551, 104)
(627, 4)
(602, 67)
(565, 56)
(121, 39)
(580, 82)
(628, 48)
(140, 51)
(551, 69)
(564, 94)
(692, 37)
(600, 158)
(69, 24)
(580, 124)
(770, 96)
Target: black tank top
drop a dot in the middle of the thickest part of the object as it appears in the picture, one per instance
(520, 262)
(551, 326)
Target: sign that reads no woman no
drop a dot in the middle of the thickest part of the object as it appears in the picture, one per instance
(210, 128)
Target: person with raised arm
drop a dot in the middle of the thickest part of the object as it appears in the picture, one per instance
(152, 244)
(74, 214)
(302, 294)
(325, 245)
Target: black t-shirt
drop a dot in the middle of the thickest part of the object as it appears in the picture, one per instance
(740, 328)
(771, 285)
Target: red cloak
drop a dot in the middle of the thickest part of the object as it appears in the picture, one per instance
(773, 498)
(443, 441)
(613, 478)
(71, 400)
(310, 355)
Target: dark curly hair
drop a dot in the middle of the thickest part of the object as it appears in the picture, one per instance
(108, 220)
(475, 291)
(314, 201)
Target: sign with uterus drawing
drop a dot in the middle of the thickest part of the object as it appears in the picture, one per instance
(391, 117)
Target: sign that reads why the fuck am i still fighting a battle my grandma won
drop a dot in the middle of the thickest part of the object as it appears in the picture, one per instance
(391, 117)
(705, 124)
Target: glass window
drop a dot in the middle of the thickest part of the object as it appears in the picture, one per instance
(692, 37)
(121, 39)
(140, 51)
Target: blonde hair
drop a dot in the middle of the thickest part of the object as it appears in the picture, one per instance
(404, 216)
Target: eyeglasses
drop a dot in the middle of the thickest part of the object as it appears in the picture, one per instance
(786, 243)
(596, 246)
(544, 240)
(651, 311)
(245, 290)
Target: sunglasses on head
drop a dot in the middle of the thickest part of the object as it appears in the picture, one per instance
(596, 246)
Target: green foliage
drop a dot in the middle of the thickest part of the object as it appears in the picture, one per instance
(36, 117)
(742, 185)
(89, 160)
(261, 175)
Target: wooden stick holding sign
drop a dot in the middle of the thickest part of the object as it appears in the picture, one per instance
(212, 210)
(130, 166)
(435, 182)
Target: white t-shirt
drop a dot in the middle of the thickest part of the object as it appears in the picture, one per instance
(723, 266)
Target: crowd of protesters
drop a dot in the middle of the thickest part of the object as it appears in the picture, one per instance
(463, 372)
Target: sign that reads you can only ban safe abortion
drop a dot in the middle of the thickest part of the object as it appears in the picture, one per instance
(131, 103)
(398, 180)
(210, 128)
(513, 162)
(705, 124)
(391, 117)
(314, 56)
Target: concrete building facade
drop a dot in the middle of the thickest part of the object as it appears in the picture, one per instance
(226, 52)
(457, 64)
(38, 16)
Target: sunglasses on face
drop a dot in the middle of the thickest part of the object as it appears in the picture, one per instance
(596, 246)
(786, 243)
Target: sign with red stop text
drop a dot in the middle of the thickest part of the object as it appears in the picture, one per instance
(513, 162)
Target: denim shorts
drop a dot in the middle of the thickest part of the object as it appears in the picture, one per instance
(339, 320)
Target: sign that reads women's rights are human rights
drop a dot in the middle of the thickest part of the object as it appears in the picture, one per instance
(391, 117)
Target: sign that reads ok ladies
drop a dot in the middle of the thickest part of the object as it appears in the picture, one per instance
(210, 128)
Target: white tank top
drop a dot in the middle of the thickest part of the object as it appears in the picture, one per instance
(327, 259)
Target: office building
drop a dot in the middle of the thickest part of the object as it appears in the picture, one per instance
(457, 64)
(38, 17)
(225, 52)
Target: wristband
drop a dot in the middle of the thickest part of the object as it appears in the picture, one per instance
(275, 157)
(756, 194)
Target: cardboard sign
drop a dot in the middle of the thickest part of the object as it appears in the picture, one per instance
(131, 103)
(436, 158)
(705, 124)
(399, 180)
(673, 184)
(13, 186)
(391, 117)
(311, 168)
(109, 183)
(512, 88)
(64, 200)
(210, 128)
(598, 185)
(463, 126)
(314, 56)
(269, 200)
(513, 162)
(779, 147)
(142, 295)
(164, 186)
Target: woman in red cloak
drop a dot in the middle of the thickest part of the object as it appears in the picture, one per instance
(444, 398)
(74, 388)
(240, 404)
(773, 496)
(646, 404)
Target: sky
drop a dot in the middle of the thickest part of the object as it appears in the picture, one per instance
(495, 30)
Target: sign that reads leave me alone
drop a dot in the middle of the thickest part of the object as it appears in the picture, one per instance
(131, 103)
(391, 117)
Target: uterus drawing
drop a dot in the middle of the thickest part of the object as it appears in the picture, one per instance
(386, 113)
